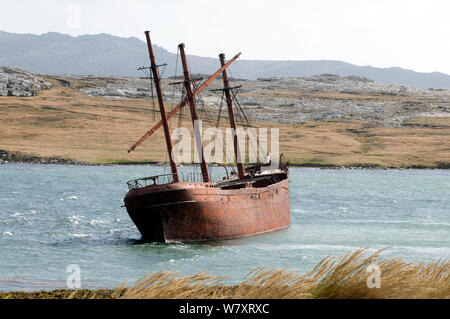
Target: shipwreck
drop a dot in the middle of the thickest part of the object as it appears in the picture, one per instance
(179, 207)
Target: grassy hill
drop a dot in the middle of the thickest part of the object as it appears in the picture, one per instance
(62, 122)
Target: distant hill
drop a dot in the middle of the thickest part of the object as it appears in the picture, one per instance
(107, 55)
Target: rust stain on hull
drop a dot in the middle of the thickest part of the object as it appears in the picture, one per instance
(199, 211)
(175, 209)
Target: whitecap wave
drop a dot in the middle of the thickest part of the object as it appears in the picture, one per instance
(79, 235)
(95, 222)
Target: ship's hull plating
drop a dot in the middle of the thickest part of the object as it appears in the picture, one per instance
(199, 211)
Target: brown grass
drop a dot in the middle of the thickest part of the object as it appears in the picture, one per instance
(333, 278)
(343, 277)
(62, 122)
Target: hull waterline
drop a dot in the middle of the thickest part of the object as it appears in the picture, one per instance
(186, 211)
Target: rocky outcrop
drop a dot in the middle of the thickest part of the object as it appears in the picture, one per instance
(303, 99)
(18, 157)
(16, 82)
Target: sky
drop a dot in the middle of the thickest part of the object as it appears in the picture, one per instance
(404, 33)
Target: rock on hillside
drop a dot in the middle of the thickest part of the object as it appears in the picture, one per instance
(16, 82)
(303, 99)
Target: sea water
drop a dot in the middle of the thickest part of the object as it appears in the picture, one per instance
(53, 216)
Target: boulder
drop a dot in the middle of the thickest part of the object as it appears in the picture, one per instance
(17, 82)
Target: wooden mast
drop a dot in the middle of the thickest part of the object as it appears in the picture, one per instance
(182, 104)
(162, 108)
(227, 90)
(190, 96)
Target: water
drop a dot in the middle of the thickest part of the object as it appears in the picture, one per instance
(52, 216)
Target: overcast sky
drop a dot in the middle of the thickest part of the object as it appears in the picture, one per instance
(406, 33)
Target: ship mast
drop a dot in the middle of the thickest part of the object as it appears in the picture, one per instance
(226, 88)
(182, 104)
(190, 96)
(162, 108)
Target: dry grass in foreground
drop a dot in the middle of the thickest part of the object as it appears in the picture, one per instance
(342, 277)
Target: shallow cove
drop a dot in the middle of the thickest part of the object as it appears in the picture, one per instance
(55, 215)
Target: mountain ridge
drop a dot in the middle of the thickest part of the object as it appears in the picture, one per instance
(108, 55)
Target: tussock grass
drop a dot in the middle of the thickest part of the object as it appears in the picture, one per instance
(346, 277)
(341, 277)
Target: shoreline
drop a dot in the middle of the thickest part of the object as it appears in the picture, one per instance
(337, 128)
(22, 158)
(340, 277)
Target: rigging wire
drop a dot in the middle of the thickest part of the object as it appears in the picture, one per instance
(149, 75)
(195, 144)
(245, 120)
(220, 110)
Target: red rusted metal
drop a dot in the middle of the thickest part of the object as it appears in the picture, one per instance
(165, 210)
(183, 103)
(194, 116)
(200, 211)
(162, 108)
(226, 87)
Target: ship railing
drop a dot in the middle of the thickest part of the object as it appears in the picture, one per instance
(151, 180)
(192, 177)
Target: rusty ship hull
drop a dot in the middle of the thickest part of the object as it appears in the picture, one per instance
(185, 211)
(173, 207)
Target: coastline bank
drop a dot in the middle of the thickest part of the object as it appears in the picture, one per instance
(23, 158)
(342, 277)
(337, 128)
